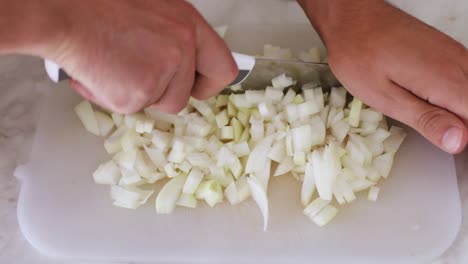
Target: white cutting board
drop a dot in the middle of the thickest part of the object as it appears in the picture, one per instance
(64, 214)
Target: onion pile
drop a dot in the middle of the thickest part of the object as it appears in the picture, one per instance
(228, 147)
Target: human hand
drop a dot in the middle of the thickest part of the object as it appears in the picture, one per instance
(129, 54)
(400, 66)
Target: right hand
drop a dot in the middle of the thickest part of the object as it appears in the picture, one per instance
(129, 54)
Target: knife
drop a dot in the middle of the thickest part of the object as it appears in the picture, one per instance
(254, 73)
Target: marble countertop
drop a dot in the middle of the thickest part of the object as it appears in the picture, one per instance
(23, 82)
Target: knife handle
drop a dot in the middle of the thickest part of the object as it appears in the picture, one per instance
(245, 63)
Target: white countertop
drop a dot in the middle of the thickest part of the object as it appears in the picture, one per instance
(22, 82)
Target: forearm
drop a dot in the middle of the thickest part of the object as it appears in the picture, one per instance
(30, 26)
(328, 16)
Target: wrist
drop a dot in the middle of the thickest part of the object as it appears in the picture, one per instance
(330, 17)
(32, 27)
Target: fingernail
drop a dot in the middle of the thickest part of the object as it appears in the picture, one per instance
(452, 139)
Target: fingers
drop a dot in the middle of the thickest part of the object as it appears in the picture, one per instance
(439, 126)
(440, 81)
(215, 66)
(177, 93)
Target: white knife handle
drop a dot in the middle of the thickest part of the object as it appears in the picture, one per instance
(245, 63)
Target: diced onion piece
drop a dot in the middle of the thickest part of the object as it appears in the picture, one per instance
(117, 119)
(227, 133)
(273, 95)
(155, 177)
(130, 178)
(288, 97)
(107, 173)
(340, 130)
(267, 110)
(86, 114)
(325, 216)
(263, 176)
(203, 108)
(384, 164)
(315, 207)
(370, 115)
(169, 194)
(256, 128)
(193, 181)
(171, 171)
(313, 55)
(259, 155)
(231, 193)
(241, 149)
(393, 142)
(308, 185)
(319, 97)
(292, 113)
(360, 184)
(157, 156)
(284, 167)
(278, 151)
(298, 100)
(338, 97)
(307, 109)
(231, 109)
(211, 191)
(300, 158)
(129, 197)
(127, 159)
(244, 118)
(260, 197)
(144, 125)
(187, 200)
(177, 153)
(237, 129)
(254, 97)
(373, 194)
(326, 168)
(236, 88)
(222, 100)
(274, 52)
(113, 143)
(201, 160)
(355, 113)
(161, 140)
(282, 81)
(184, 167)
(105, 122)
(240, 101)
(222, 119)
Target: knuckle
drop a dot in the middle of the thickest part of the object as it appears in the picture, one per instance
(186, 34)
(430, 120)
(171, 57)
(126, 103)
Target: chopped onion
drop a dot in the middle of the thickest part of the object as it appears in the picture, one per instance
(373, 193)
(308, 185)
(211, 192)
(187, 200)
(107, 173)
(169, 194)
(86, 114)
(130, 197)
(315, 207)
(260, 197)
(325, 216)
(208, 149)
(105, 122)
(355, 112)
